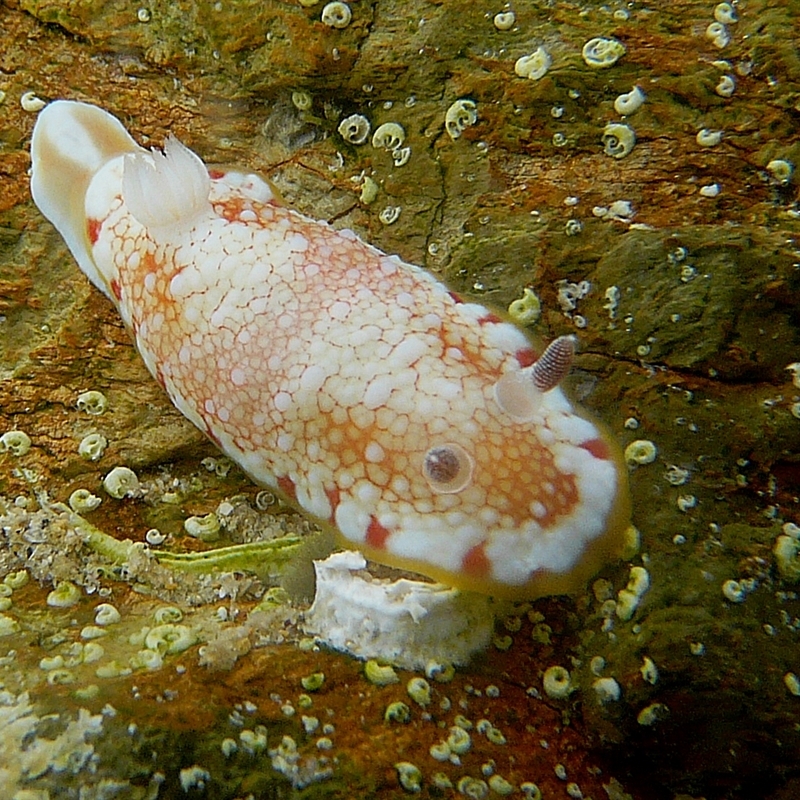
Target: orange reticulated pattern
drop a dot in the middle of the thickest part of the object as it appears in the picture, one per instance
(328, 369)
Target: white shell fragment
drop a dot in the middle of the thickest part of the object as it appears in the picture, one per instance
(372, 618)
(534, 66)
(460, 116)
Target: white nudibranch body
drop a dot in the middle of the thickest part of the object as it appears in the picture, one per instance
(428, 432)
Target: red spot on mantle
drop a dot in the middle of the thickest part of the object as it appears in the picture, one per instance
(456, 297)
(489, 318)
(93, 229)
(116, 289)
(376, 534)
(526, 357)
(333, 499)
(216, 174)
(598, 448)
(476, 563)
(286, 485)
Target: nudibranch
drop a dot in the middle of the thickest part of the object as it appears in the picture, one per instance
(428, 432)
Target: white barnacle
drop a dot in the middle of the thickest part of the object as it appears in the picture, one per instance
(354, 129)
(726, 86)
(652, 714)
(15, 442)
(573, 227)
(639, 452)
(734, 591)
(369, 191)
(629, 102)
(710, 190)
(419, 690)
(718, 34)
(649, 671)
(618, 140)
(390, 215)
(204, 528)
(301, 100)
(30, 102)
(460, 116)
(389, 136)
(534, 66)
(794, 368)
(337, 15)
(168, 615)
(792, 683)
(708, 138)
(401, 155)
(92, 402)
(780, 171)
(504, 20)
(606, 690)
(106, 614)
(121, 482)
(527, 309)
(557, 683)
(787, 554)
(725, 14)
(92, 446)
(409, 776)
(65, 595)
(155, 537)
(194, 777)
(170, 639)
(82, 500)
(602, 52)
(459, 740)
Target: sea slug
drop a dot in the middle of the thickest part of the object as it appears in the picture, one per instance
(427, 431)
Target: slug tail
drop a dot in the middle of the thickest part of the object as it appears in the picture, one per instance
(71, 143)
